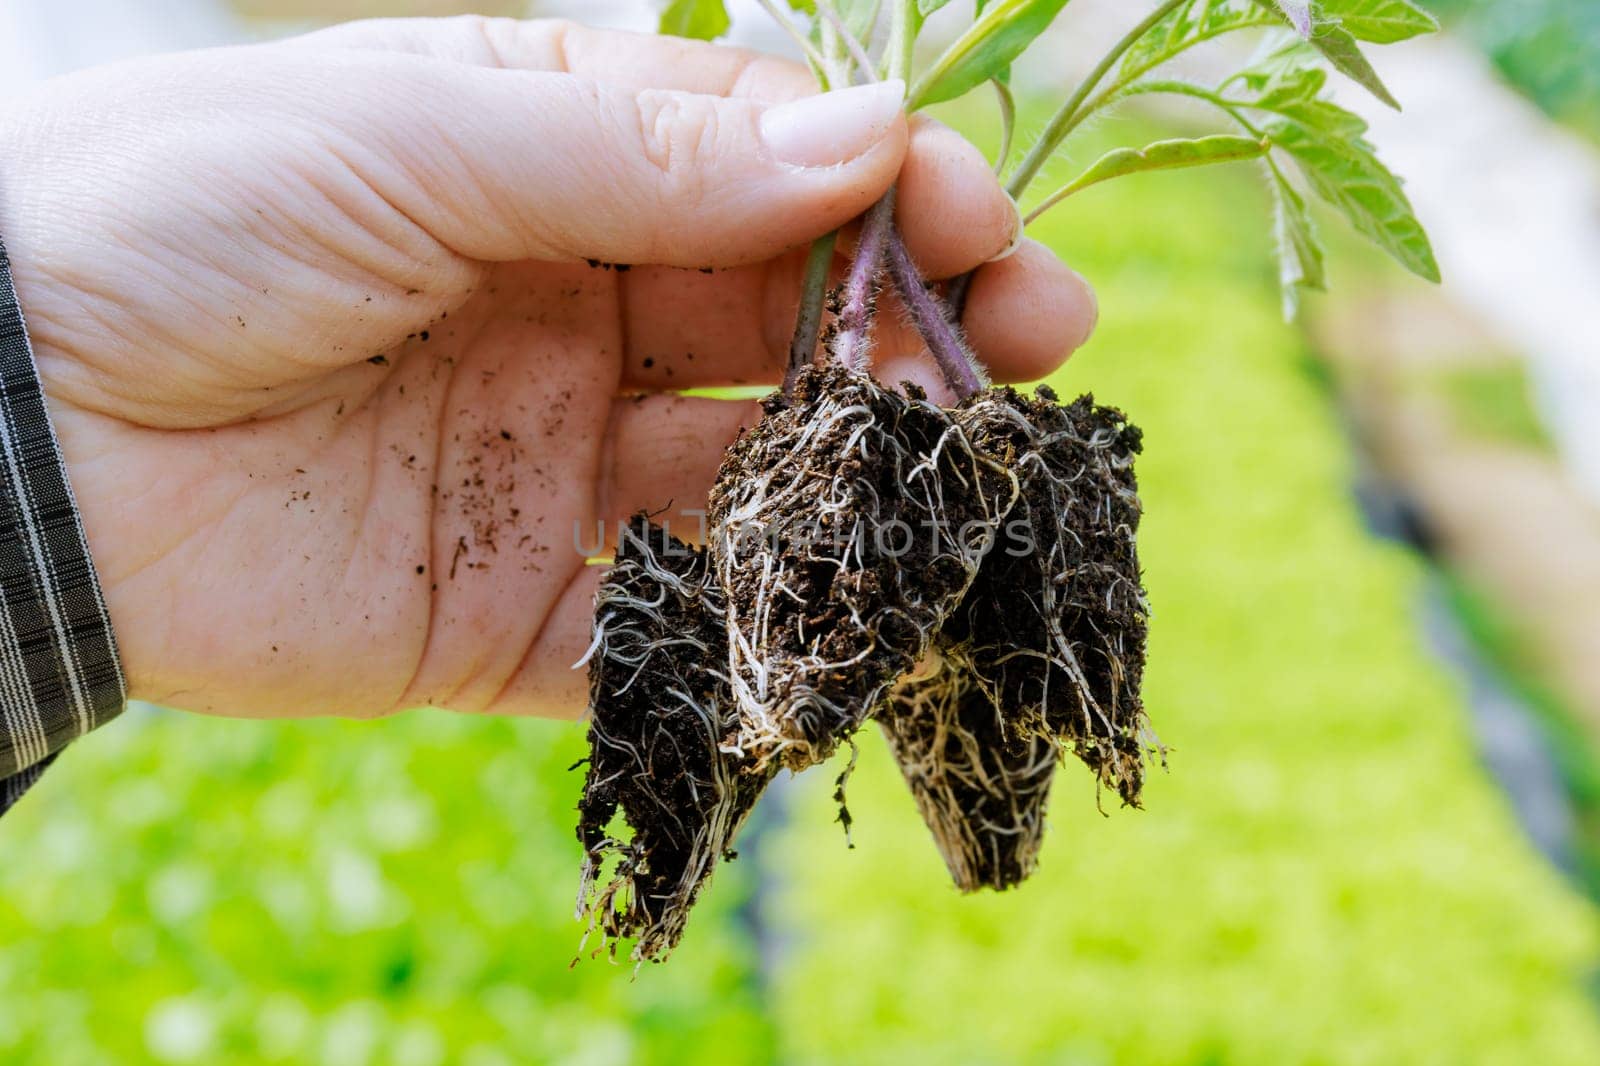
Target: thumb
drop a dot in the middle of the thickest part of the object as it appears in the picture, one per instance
(568, 168)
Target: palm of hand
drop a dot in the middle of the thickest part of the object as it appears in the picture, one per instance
(338, 425)
(400, 530)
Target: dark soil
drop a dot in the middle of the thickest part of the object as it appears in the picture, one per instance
(858, 535)
(1056, 634)
(845, 528)
(660, 715)
(981, 789)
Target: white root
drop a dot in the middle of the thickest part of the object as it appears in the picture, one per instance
(799, 689)
(981, 792)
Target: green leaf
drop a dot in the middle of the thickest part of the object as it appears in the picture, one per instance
(1296, 92)
(1380, 21)
(1328, 144)
(1008, 121)
(1186, 26)
(1339, 48)
(1300, 257)
(928, 7)
(703, 19)
(1345, 171)
(1161, 155)
(990, 45)
(859, 16)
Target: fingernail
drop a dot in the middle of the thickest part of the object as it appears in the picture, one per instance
(1093, 301)
(832, 128)
(1019, 233)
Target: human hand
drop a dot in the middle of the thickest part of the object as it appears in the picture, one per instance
(335, 383)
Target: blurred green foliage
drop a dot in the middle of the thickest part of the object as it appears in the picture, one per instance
(1492, 402)
(207, 891)
(1511, 650)
(1548, 48)
(1325, 876)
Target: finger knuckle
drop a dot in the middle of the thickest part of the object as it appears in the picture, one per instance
(680, 137)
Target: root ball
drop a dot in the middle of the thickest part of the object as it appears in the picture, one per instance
(982, 790)
(845, 528)
(660, 717)
(1055, 624)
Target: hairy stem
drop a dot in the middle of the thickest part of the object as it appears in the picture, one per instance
(1066, 119)
(934, 322)
(906, 22)
(1233, 108)
(858, 300)
(834, 30)
(826, 72)
(808, 323)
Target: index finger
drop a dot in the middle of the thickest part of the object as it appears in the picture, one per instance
(617, 57)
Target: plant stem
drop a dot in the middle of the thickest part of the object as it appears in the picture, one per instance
(1066, 119)
(808, 323)
(814, 283)
(857, 303)
(1008, 125)
(835, 29)
(1182, 88)
(825, 70)
(902, 40)
(933, 320)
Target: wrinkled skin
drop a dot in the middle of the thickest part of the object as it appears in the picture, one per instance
(335, 383)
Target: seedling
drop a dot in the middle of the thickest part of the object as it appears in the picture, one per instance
(967, 576)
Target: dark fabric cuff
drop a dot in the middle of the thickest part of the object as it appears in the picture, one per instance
(59, 672)
(13, 787)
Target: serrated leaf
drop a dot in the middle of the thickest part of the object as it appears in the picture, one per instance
(705, 20)
(1185, 26)
(1380, 21)
(1339, 48)
(1288, 87)
(859, 16)
(1296, 92)
(1161, 155)
(1346, 172)
(1300, 256)
(1328, 144)
(1001, 34)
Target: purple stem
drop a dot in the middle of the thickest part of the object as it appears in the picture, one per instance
(856, 305)
(934, 321)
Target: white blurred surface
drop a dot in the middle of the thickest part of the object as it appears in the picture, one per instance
(1512, 202)
(42, 38)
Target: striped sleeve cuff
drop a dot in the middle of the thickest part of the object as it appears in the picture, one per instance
(59, 672)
